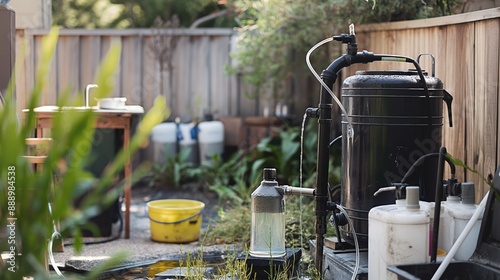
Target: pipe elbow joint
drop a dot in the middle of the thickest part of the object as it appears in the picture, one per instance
(312, 112)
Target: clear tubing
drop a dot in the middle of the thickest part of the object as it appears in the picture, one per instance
(442, 267)
(356, 245)
(304, 119)
(55, 235)
(350, 131)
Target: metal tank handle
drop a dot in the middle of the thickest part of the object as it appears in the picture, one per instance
(446, 95)
(433, 59)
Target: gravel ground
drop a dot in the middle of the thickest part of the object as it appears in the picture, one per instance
(140, 248)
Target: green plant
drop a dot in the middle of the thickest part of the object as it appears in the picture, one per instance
(488, 180)
(174, 172)
(283, 152)
(25, 194)
(228, 178)
(232, 226)
(274, 40)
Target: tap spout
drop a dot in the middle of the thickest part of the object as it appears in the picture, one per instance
(288, 190)
(87, 90)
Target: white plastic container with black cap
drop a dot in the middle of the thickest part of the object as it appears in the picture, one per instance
(397, 234)
(267, 237)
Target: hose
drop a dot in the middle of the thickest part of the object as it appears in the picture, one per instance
(335, 141)
(55, 235)
(311, 68)
(356, 245)
(421, 160)
(442, 267)
(301, 170)
(112, 238)
(2, 100)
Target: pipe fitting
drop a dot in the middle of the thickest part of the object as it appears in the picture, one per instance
(289, 190)
(312, 112)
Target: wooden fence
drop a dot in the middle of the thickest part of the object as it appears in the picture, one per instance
(466, 48)
(199, 78)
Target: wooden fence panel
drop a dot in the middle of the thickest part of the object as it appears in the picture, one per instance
(485, 104)
(90, 57)
(131, 63)
(456, 83)
(150, 77)
(200, 82)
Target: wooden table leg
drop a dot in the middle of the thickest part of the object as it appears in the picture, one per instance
(128, 180)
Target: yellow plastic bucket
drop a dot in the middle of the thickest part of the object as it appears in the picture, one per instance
(175, 220)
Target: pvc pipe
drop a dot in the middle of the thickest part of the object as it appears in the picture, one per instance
(439, 272)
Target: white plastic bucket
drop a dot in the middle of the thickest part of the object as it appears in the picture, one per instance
(210, 139)
(164, 138)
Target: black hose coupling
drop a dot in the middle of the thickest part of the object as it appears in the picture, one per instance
(345, 38)
(349, 39)
(312, 112)
(339, 219)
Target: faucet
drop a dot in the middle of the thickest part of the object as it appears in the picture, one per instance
(87, 89)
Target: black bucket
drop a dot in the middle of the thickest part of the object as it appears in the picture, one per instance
(395, 122)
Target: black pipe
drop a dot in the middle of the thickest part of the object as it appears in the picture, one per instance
(437, 203)
(324, 124)
(329, 75)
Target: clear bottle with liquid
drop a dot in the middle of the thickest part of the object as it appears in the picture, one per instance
(267, 238)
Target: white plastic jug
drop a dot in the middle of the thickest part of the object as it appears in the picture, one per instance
(397, 235)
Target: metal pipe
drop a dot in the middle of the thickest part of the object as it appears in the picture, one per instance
(289, 190)
(87, 92)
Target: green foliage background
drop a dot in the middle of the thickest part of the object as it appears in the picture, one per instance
(133, 13)
(275, 35)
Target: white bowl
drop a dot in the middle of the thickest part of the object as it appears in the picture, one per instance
(111, 103)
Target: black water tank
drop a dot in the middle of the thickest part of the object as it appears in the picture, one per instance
(395, 122)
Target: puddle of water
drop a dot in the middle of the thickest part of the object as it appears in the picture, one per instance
(140, 271)
(149, 271)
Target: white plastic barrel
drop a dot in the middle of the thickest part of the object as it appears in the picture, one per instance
(397, 235)
(164, 138)
(210, 139)
(189, 142)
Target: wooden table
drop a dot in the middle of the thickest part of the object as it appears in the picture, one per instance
(113, 119)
